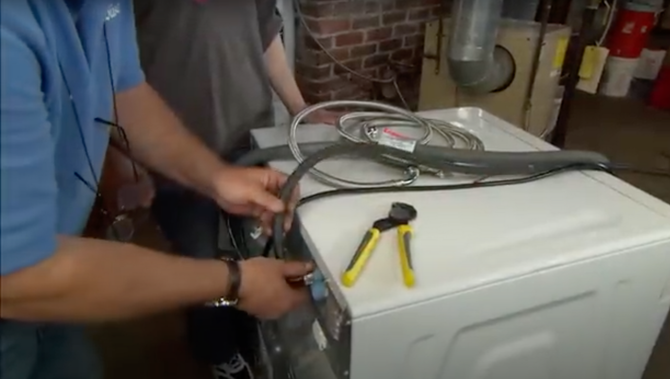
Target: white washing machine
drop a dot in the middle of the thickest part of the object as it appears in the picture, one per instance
(563, 278)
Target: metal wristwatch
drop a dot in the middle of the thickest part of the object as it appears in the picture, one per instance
(234, 281)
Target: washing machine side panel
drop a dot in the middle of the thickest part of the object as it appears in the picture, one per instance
(593, 320)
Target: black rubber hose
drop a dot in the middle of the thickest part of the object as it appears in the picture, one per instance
(461, 161)
(277, 153)
(372, 151)
(358, 149)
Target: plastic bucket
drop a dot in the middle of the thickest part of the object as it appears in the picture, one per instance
(618, 76)
(660, 95)
(630, 32)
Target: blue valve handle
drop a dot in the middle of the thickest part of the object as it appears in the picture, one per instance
(316, 283)
(318, 287)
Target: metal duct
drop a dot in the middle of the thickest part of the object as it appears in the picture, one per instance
(475, 63)
(524, 10)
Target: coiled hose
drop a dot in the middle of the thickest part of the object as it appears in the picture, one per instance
(364, 127)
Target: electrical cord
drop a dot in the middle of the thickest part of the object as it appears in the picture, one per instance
(523, 167)
(372, 151)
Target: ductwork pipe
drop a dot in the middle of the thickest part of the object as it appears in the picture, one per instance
(475, 63)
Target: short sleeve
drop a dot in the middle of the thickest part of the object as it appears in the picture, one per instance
(269, 21)
(28, 180)
(131, 73)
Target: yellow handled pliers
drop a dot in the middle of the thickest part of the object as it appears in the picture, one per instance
(399, 217)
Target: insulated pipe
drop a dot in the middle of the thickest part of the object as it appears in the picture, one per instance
(468, 162)
(475, 63)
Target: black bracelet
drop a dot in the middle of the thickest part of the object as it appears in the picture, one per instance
(232, 298)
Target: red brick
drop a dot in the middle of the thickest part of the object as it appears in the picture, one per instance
(411, 41)
(352, 65)
(372, 6)
(390, 45)
(348, 93)
(376, 60)
(341, 54)
(366, 78)
(419, 14)
(437, 12)
(313, 97)
(318, 58)
(405, 4)
(379, 34)
(405, 29)
(402, 55)
(317, 98)
(348, 39)
(313, 72)
(365, 22)
(387, 5)
(349, 8)
(323, 86)
(323, 43)
(418, 54)
(363, 50)
(329, 26)
(317, 9)
(371, 72)
(394, 17)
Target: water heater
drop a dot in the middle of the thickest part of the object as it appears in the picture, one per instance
(530, 103)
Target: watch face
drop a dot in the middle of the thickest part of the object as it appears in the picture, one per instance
(222, 303)
(229, 303)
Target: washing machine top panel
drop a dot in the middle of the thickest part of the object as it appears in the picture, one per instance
(470, 238)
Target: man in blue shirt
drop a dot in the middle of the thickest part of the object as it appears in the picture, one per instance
(66, 63)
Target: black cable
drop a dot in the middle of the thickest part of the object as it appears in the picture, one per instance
(80, 129)
(115, 106)
(369, 151)
(472, 185)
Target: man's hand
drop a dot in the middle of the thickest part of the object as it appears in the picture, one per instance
(253, 192)
(323, 116)
(265, 291)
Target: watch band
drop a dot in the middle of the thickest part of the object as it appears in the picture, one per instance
(234, 282)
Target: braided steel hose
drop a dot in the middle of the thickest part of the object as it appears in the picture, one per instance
(363, 127)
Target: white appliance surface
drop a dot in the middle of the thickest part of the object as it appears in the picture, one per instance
(566, 277)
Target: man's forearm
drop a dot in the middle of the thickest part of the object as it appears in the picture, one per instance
(160, 142)
(281, 77)
(93, 280)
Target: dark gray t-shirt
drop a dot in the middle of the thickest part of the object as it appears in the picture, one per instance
(205, 58)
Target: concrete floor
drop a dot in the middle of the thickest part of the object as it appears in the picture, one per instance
(628, 131)
(625, 130)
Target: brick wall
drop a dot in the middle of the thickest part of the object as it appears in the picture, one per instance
(376, 38)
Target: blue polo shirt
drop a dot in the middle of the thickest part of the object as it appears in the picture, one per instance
(61, 61)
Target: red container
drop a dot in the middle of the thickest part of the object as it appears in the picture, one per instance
(660, 95)
(630, 32)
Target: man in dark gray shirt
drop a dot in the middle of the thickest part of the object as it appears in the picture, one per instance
(215, 62)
